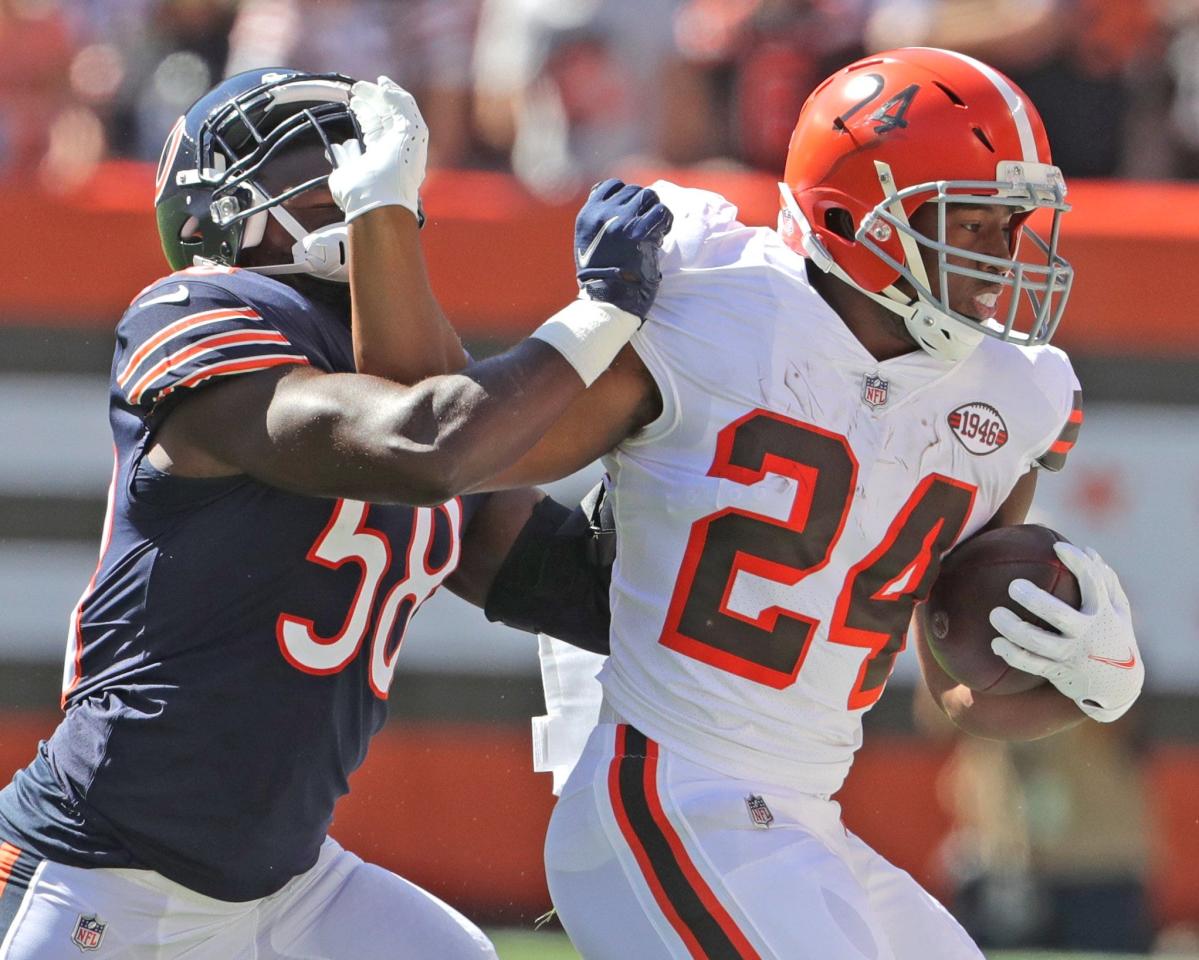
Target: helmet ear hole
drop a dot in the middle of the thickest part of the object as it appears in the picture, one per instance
(838, 220)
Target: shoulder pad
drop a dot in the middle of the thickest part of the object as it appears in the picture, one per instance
(188, 328)
(699, 215)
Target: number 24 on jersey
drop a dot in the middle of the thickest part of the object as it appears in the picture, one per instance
(875, 604)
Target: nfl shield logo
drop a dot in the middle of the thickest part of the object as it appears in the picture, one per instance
(89, 931)
(875, 391)
(759, 813)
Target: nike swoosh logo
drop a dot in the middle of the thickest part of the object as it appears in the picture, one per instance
(178, 295)
(585, 255)
(1122, 664)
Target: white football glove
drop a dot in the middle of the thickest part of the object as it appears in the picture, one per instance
(389, 172)
(1095, 661)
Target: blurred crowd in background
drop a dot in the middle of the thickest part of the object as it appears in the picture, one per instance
(558, 91)
(1046, 849)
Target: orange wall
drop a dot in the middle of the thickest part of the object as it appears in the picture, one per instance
(457, 808)
(500, 260)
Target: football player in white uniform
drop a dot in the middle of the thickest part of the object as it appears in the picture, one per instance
(815, 415)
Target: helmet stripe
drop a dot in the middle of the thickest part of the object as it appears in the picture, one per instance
(1015, 103)
(167, 160)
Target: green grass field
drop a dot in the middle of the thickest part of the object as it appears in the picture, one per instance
(551, 945)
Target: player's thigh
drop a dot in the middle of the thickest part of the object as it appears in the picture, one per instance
(600, 907)
(60, 911)
(347, 909)
(671, 866)
(915, 924)
(42, 915)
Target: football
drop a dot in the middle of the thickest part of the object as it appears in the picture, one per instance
(973, 580)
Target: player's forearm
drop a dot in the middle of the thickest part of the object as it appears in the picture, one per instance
(487, 540)
(1030, 715)
(400, 332)
(622, 401)
(556, 573)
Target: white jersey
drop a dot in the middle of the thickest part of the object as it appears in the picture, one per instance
(779, 520)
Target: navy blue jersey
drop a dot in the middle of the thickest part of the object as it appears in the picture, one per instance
(231, 658)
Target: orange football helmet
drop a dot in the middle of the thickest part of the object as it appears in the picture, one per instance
(919, 125)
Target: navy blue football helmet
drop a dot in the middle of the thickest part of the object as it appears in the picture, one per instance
(209, 197)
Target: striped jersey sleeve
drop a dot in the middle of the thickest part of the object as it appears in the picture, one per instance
(179, 334)
(1055, 457)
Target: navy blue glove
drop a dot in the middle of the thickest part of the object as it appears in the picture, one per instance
(618, 239)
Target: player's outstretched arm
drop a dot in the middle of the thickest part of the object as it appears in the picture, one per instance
(367, 438)
(362, 437)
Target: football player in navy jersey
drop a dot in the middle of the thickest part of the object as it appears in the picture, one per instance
(275, 520)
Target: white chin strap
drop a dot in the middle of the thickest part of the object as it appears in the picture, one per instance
(323, 253)
(937, 333)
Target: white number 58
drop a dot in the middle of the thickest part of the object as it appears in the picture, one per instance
(347, 539)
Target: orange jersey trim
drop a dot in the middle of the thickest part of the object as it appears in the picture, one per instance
(8, 857)
(176, 328)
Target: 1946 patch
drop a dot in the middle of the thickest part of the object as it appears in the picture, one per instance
(978, 427)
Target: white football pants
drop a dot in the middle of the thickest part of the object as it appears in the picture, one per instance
(650, 856)
(341, 909)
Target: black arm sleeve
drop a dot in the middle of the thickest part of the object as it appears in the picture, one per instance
(556, 577)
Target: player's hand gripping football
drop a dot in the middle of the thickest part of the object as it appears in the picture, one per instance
(618, 240)
(1093, 659)
(391, 168)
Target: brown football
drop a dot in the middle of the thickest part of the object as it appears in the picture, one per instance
(973, 580)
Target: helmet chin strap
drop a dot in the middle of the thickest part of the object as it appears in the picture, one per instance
(322, 253)
(937, 333)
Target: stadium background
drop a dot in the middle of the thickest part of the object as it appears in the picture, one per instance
(1089, 839)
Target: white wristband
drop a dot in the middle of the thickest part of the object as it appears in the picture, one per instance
(589, 334)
